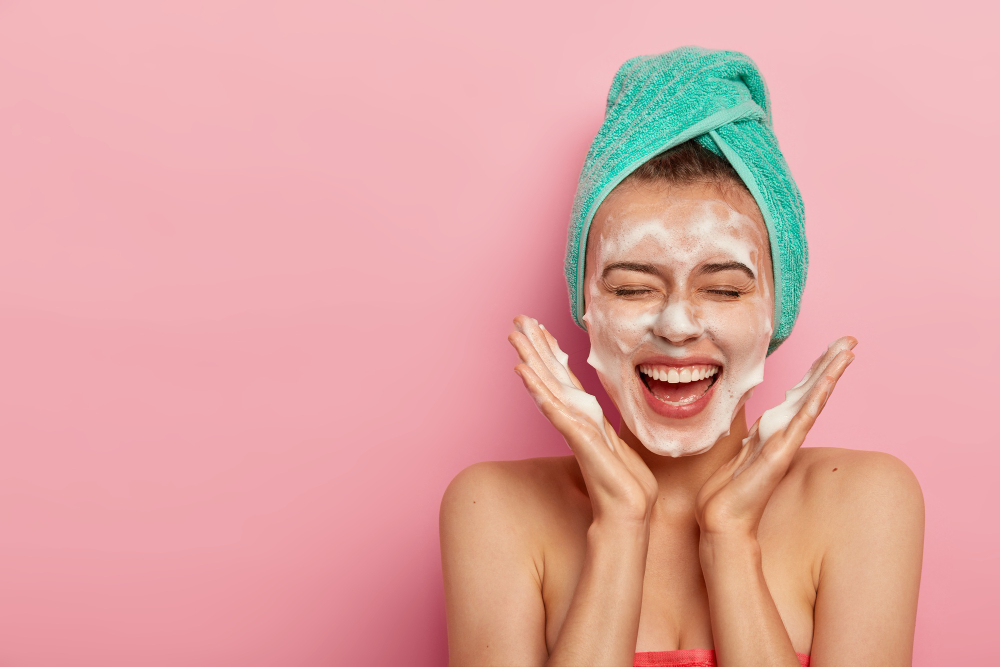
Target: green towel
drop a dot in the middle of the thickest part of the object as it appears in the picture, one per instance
(719, 99)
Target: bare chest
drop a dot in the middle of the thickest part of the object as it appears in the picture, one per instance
(675, 613)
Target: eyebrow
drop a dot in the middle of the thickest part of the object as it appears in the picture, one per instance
(630, 266)
(727, 266)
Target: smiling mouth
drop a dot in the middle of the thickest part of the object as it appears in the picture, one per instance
(678, 385)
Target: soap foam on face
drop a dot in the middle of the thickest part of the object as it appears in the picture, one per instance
(678, 238)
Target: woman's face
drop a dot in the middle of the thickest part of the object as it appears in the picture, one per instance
(679, 306)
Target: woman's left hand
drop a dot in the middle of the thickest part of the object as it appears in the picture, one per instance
(733, 499)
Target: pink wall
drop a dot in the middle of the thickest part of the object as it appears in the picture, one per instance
(258, 264)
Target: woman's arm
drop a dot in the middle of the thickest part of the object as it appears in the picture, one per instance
(492, 568)
(866, 604)
(492, 571)
(602, 624)
(746, 626)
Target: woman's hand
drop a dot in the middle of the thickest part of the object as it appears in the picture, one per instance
(733, 499)
(620, 485)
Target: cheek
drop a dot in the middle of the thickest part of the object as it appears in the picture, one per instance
(617, 327)
(739, 330)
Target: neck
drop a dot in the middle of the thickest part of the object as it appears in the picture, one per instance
(681, 478)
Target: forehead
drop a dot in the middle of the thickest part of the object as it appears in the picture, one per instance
(675, 219)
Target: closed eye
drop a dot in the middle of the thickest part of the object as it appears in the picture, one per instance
(626, 291)
(734, 294)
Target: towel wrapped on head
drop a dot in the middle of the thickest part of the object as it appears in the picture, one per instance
(719, 99)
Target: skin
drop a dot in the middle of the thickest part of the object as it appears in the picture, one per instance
(759, 550)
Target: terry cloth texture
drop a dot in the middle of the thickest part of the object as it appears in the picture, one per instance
(719, 99)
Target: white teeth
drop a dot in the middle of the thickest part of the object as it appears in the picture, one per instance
(676, 375)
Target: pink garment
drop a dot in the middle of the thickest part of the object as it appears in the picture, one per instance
(695, 657)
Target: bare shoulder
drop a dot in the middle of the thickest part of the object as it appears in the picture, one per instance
(514, 496)
(853, 490)
(855, 474)
(513, 483)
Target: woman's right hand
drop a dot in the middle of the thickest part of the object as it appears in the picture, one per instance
(621, 486)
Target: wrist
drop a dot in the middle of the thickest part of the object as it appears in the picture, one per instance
(729, 550)
(622, 532)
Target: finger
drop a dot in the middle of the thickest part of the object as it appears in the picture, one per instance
(818, 398)
(533, 350)
(554, 358)
(530, 357)
(816, 369)
(748, 452)
(560, 355)
(783, 444)
(580, 435)
(530, 328)
(842, 344)
(802, 422)
(564, 377)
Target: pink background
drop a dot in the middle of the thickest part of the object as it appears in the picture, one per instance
(258, 264)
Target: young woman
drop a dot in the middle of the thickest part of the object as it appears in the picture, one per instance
(684, 538)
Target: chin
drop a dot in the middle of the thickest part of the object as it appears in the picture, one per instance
(669, 445)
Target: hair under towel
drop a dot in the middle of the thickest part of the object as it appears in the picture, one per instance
(719, 99)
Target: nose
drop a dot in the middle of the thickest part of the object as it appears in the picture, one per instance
(678, 322)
